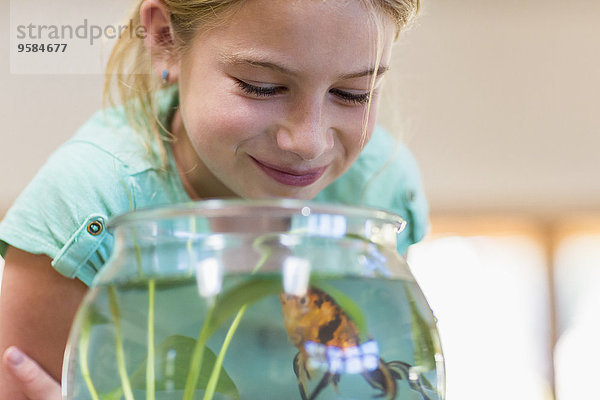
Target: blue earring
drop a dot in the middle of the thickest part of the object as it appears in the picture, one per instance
(165, 75)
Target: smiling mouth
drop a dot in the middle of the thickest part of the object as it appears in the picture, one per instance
(290, 177)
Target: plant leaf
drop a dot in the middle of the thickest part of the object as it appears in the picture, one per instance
(114, 395)
(94, 317)
(425, 349)
(172, 358)
(251, 291)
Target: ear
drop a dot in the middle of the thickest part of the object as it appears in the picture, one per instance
(159, 39)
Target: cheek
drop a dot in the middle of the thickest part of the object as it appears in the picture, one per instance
(353, 132)
(236, 117)
(220, 120)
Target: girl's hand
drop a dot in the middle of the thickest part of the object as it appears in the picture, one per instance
(35, 383)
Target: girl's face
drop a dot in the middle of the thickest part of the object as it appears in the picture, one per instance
(273, 101)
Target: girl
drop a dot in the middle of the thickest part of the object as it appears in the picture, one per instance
(221, 98)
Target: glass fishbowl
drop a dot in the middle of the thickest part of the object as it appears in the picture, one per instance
(236, 299)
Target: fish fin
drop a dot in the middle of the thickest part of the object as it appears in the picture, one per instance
(301, 374)
(374, 379)
(327, 378)
(401, 370)
(335, 379)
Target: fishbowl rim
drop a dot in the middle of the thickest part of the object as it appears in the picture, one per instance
(224, 207)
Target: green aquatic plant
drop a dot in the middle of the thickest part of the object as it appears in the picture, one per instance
(425, 348)
(176, 379)
(84, 344)
(174, 373)
(150, 375)
(121, 366)
(216, 372)
(206, 332)
(193, 354)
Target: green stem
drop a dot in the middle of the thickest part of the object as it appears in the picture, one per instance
(150, 381)
(214, 376)
(84, 345)
(150, 374)
(196, 361)
(205, 332)
(216, 372)
(116, 314)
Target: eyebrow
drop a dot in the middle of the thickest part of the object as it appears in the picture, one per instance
(258, 61)
(370, 72)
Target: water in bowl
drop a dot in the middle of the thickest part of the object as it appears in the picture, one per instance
(356, 338)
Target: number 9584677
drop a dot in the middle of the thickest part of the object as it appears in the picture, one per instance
(41, 48)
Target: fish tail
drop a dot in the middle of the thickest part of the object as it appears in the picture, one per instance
(401, 370)
(383, 380)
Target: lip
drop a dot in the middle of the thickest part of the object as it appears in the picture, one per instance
(289, 176)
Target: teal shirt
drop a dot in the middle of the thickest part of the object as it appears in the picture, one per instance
(105, 170)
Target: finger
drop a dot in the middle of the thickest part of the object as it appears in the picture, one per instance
(35, 383)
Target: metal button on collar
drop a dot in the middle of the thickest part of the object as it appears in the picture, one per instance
(95, 228)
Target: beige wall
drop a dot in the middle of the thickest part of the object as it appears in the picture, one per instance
(499, 102)
(39, 111)
(503, 100)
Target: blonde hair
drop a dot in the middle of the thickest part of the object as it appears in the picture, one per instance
(129, 69)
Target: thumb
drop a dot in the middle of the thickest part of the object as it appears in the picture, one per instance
(35, 383)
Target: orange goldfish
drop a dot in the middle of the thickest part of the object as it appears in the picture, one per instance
(327, 338)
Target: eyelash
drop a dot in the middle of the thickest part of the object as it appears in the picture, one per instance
(259, 91)
(360, 99)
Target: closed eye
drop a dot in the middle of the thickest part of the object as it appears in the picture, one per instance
(351, 98)
(266, 91)
(259, 91)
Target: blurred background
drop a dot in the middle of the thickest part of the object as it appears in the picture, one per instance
(500, 103)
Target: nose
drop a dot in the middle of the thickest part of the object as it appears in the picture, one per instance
(305, 132)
